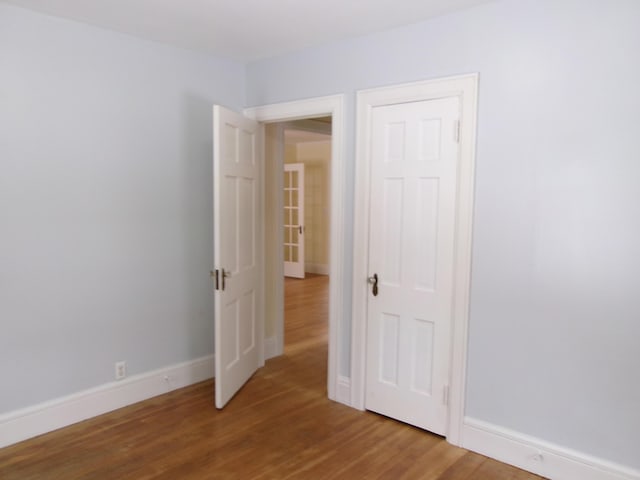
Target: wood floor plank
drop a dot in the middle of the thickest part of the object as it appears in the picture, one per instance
(279, 426)
(465, 467)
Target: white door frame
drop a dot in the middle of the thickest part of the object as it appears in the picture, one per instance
(465, 87)
(319, 107)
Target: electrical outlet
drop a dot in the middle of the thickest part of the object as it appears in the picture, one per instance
(537, 457)
(121, 370)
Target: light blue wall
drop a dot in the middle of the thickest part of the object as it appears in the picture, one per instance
(555, 307)
(105, 204)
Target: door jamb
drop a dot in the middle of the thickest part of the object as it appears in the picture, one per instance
(465, 87)
(319, 107)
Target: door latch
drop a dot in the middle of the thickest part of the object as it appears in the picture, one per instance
(225, 274)
(216, 276)
(373, 281)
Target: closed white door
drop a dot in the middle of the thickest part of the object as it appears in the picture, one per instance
(294, 220)
(238, 217)
(411, 236)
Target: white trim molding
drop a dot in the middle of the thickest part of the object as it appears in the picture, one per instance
(271, 349)
(538, 456)
(465, 87)
(314, 108)
(317, 268)
(343, 391)
(29, 422)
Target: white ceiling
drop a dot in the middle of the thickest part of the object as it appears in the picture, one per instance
(247, 29)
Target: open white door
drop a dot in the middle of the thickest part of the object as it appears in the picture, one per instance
(294, 220)
(238, 250)
(411, 241)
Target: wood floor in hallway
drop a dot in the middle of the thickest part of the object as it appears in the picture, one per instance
(279, 426)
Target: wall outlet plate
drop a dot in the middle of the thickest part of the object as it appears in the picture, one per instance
(121, 370)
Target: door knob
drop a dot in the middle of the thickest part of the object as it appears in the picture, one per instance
(374, 284)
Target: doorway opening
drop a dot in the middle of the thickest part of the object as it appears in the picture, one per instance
(306, 196)
(303, 162)
(274, 117)
(307, 222)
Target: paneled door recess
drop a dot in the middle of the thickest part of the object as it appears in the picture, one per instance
(411, 240)
(238, 218)
(294, 220)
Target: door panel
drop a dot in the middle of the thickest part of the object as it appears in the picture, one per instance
(237, 237)
(294, 220)
(413, 182)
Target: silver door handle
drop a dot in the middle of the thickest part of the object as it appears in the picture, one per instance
(225, 274)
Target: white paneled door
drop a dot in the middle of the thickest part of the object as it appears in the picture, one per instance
(294, 220)
(238, 244)
(411, 244)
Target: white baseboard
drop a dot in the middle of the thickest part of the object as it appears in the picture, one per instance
(343, 392)
(29, 422)
(272, 348)
(538, 456)
(317, 268)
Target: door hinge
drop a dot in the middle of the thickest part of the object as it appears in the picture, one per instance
(445, 395)
(456, 131)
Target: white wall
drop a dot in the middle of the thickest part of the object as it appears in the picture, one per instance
(555, 308)
(105, 204)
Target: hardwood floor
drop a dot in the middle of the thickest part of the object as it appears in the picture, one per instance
(279, 426)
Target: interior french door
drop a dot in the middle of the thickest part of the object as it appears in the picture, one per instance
(294, 220)
(238, 244)
(411, 240)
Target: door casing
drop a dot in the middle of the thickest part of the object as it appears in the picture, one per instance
(464, 87)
